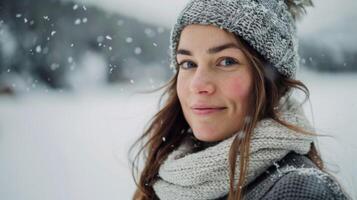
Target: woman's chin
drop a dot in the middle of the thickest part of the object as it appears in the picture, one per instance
(206, 133)
(207, 136)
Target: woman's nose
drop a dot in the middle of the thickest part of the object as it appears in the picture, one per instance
(202, 81)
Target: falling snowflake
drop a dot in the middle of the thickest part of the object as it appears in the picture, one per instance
(53, 33)
(303, 61)
(18, 15)
(129, 40)
(108, 37)
(75, 7)
(155, 45)
(38, 49)
(25, 20)
(70, 59)
(137, 50)
(241, 135)
(54, 66)
(77, 21)
(149, 32)
(84, 20)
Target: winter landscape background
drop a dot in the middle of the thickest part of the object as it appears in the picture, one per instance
(71, 80)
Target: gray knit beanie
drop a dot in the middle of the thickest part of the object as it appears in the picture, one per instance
(266, 25)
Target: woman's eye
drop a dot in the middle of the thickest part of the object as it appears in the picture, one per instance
(187, 64)
(228, 61)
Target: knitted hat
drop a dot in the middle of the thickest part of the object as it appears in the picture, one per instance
(266, 25)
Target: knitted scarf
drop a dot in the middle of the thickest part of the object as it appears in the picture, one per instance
(205, 174)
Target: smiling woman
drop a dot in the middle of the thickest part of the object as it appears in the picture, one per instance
(230, 127)
(214, 83)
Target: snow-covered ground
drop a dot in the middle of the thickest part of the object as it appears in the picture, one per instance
(70, 146)
(73, 145)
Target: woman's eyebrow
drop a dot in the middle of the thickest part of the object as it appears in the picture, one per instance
(211, 50)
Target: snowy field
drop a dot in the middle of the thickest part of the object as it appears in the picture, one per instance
(73, 145)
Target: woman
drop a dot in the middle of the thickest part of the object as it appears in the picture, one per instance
(229, 127)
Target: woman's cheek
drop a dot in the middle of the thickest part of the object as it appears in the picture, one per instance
(181, 88)
(238, 87)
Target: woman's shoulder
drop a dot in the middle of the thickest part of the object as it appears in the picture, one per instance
(295, 177)
(308, 183)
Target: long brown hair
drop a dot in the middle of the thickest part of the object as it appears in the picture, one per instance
(166, 129)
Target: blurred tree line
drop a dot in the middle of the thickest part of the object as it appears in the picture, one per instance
(332, 49)
(42, 41)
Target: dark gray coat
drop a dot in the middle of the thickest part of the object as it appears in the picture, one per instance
(304, 182)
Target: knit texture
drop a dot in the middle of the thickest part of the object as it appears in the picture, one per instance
(205, 174)
(267, 25)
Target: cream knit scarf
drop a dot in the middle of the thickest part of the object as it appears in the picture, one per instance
(205, 174)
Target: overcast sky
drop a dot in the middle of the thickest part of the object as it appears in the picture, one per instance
(164, 12)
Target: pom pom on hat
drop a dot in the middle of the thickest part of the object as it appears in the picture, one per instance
(297, 8)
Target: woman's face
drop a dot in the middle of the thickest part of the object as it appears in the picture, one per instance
(214, 82)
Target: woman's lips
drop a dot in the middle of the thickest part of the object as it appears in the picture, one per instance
(206, 111)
